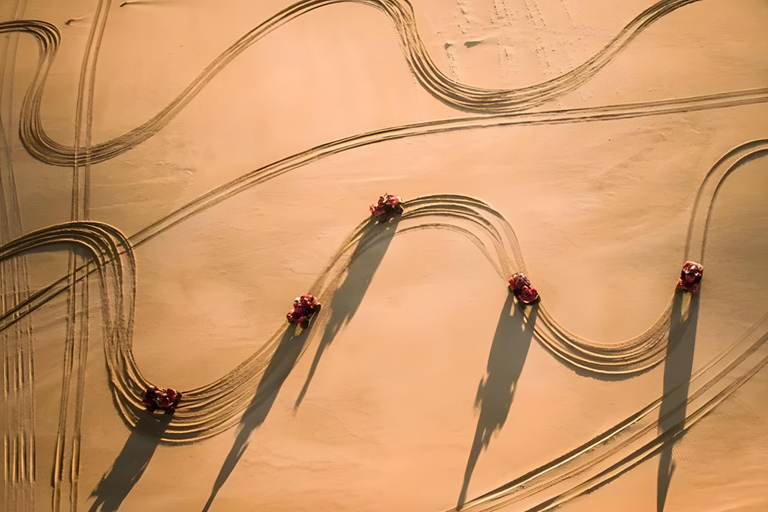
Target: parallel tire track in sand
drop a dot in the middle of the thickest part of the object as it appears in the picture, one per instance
(66, 467)
(211, 409)
(400, 12)
(472, 218)
(17, 408)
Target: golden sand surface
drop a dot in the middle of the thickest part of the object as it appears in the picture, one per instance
(173, 173)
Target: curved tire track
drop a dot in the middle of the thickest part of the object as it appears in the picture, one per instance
(400, 12)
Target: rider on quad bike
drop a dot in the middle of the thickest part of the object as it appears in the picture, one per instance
(159, 398)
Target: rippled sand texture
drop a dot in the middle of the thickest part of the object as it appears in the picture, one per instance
(173, 174)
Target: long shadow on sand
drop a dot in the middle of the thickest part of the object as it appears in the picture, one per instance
(349, 295)
(277, 371)
(678, 367)
(130, 463)
(497, 389)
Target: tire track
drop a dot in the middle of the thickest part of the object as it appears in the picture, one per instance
(197, 419)
(67, 461)
(559, 347)
(575, 115)
(400, 12)
(633, 355)
(481, 215)
(211, 409)
(633, 440)
(17, 407)
(710, 385)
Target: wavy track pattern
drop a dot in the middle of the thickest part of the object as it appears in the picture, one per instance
(485, 227)
(477, 221)
(213, 408)
(400, 12)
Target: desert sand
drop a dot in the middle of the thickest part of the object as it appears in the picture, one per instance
(175, 173)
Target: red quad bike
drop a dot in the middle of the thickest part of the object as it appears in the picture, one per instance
(387, 205)
(158, 398)
(303, 309)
